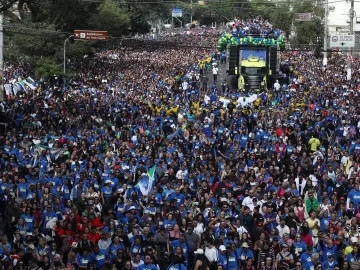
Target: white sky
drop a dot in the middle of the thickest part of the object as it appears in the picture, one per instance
(339, 15)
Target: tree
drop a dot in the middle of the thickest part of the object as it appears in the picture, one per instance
(309, 32)
(111, 18)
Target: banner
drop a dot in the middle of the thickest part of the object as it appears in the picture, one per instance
(55, 152)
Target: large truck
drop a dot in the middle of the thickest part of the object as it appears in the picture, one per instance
(254, 59)
(256, 67)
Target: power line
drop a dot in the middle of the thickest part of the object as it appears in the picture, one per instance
(211, 3)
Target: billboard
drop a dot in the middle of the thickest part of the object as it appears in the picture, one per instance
(257, 55)
(176, 12)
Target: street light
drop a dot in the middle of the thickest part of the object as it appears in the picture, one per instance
(66, 40)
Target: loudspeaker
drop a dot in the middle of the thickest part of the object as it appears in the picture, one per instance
(274, 64)
(233, 60)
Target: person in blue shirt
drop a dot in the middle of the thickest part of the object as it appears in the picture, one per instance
(83, 259)
(328, 248)
(243, 253)
(114, 247)
(353, 255)
(182, 244)
(106, 191)
(330, 262)
(299, 245)
(28, 218)
(148, 265)
(99, 257)
(179, 197)
(48, 215)
(22, 189)
(207, 128)
(305, 257)
(354, 195)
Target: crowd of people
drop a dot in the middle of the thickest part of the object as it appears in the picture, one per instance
(253, 26)
(136, 164)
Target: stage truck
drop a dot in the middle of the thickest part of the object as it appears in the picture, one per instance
(254, 60)
(257, 67)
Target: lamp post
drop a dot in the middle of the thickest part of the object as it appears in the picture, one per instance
(66, 40)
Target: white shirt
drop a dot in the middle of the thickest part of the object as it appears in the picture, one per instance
(215, 70)
(211, 254)
(249, 203)
(277, 86)
(284, 230)
(241, 230)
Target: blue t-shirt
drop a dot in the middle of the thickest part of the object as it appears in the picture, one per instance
(99, 258)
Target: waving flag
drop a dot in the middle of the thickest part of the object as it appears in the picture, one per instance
(146, 182)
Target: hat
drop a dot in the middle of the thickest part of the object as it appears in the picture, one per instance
(74, 245)
(330, 254)
(354, 239)
(290, 241)
(31, 246)
(245, 245)
(108, 181)
(131, 208)
(199, 251)
(222, 248)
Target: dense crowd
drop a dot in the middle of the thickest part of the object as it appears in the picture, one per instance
(136, 164)
(253, 26)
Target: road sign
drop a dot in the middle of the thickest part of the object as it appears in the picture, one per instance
(176, 12)
(90, 35)
(212, 13)
(342, 41)
(303, 17)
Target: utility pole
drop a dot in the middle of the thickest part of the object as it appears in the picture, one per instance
(66, 40)
(325, 60)
(1, 56)
(191, 12)
(351, 33)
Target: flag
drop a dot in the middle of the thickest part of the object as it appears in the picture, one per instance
(54, 151)
(22, 85)
(147, 182)
(32, 87)
(31, 80)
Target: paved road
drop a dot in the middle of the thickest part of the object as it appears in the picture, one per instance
(222, 76)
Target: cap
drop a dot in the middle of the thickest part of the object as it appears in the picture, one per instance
(131, 208)
(245, 245)
(199, 251)
(222, 248)
(354, 239)
(31, 246)
(108, 181)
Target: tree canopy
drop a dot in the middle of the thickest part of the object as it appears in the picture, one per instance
(38, 35)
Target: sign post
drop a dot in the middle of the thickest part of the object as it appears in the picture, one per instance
(303, 17)
(90, 35)
(342, 41)
(175, 12)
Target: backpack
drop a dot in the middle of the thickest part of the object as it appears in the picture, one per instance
(283, 265)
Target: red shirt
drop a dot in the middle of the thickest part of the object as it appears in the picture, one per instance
(94, 237)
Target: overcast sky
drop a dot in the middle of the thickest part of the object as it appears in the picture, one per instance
(338, 16)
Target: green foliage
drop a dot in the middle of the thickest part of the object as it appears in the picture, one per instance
(111, 18)
(307, 32)
(46, 67)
